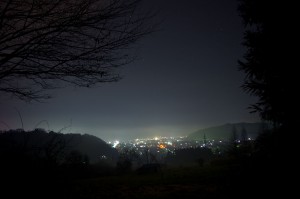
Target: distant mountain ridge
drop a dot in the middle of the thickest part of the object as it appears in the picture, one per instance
(42, 142)
(225, 132)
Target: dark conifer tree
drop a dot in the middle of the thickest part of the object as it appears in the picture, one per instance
(265, 63)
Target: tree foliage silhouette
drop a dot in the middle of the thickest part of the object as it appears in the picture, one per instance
(48, 44)
(265, 60)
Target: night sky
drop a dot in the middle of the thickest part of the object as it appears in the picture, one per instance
(185, 78)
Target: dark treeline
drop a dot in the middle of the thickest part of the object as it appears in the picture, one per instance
(38, 161)
(190, 156)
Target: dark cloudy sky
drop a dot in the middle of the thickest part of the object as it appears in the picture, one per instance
(185, 78)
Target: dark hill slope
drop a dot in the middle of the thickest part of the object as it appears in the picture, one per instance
(225, 132)
(43, 144)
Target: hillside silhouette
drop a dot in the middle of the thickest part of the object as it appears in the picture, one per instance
(38, 141)
(40, 164)
(224, 132)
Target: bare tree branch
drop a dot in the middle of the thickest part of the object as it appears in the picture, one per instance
(44, 44)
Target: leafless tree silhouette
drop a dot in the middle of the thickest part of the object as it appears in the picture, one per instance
(48, 44)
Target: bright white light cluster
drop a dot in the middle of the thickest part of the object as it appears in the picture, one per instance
(116, 143)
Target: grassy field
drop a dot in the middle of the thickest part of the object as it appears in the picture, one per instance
(211, 181)
(182, 182)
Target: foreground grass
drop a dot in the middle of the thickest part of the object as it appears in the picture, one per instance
(211, 181)
(184, 182)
